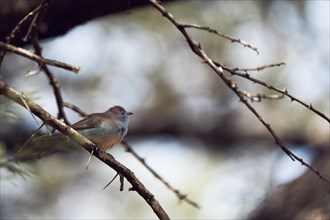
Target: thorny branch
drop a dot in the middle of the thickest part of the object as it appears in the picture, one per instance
(260, 68)
(180, 195)
(86, 144)
(282, 91)
(258, 97)
(129, 149)
(218, 69)
(213, 31)
(32, 35)
(37, 15)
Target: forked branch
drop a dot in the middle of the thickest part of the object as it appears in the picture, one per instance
(218, 69)
(128, 148)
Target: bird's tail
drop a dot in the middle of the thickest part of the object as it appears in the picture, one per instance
(43, 146)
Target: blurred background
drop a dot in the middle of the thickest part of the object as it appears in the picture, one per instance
(187, 125)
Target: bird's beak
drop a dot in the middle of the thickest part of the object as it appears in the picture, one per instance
(129, 113)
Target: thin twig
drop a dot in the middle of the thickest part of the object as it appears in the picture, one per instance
(277, 140)
(213, 31)
(34, 23)
(32, 34)
(196, 48)
(282, 91)
(260, 68)
(180, 195)
(54, 84)
(27, 107)
(16, 29)
(75, 108)
(20, 23)
(258, 97)
(31, 137)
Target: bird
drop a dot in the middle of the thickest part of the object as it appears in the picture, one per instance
(105, 129)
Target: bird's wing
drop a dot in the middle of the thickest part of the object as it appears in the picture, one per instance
(90, 121)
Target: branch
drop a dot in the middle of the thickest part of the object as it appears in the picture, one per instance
(282, 91)
(129, 149)
(196, 48)
(213, 31)
(258, 97)
(16, 29)
(32, 35)
(40, 60)
(75, 108)
(87, 145)
(260, 68)
(180, 195)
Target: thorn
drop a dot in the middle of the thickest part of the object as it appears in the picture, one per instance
(111, 181)
(89, 159)
(95, 148)
(121, 178)
(131, 189)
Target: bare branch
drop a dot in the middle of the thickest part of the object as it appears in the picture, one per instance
(282, 91)
(75, 108)
(87, 145)
(129, 149)
(218, 69)
(258, 97)
(17, 29)
(54, 84)
(213, 31)
(180, 195)
(259, 68)
(40, 60)
(277, 140)
(32, 34)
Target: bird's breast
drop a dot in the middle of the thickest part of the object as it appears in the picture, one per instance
(107, 135)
